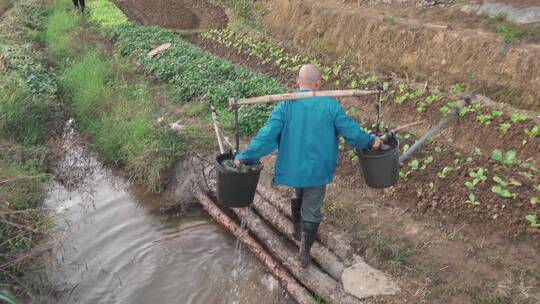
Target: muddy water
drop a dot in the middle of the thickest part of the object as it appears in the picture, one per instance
(118, 247)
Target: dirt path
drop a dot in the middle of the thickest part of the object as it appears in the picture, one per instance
(177, 14)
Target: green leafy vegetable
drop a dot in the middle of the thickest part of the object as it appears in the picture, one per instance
(504, 127)
(533, 132)
(507, 159)
(502, 192)
(518, 117)
(533, 220)
(472, 200)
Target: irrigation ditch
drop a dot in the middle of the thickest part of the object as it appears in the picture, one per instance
(150, 117)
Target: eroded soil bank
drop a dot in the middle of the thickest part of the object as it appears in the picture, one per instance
(421, 47)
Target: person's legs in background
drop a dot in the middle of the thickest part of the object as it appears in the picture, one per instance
(82, 5)
(312, 201)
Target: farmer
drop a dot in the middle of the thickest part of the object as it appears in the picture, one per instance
(79, 4)
(306, 133)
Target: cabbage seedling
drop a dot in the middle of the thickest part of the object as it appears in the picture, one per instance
(426, 162)
(472, 200)
(533, 132)
(414, 164)
(496, 113)
(478, 177)
(505, 183)
(445, 171)
(502, 192)
(505, 159)
(533, 220)
(484, 119)
(518, 117)
(504, 127)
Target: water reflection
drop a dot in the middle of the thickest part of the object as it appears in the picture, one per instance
(118, 247)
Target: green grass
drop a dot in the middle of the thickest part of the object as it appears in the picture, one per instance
(247, 12)
(22, 220)
(196, 109)
(23, 118)
(31, 114)
(120, 117)
(121, 120)
(389, 20)
(86, 82)
(58, 25)
(31, 109)
(511, 32)
(392, 251)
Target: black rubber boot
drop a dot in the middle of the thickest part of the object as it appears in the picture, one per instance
(309, 233)
(296, 211)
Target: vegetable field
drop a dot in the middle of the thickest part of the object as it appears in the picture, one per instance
(462, 223)
(486, 168)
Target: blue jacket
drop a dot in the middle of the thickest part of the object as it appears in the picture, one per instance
(306, 133)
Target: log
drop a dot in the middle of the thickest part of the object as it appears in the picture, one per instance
(328, 261)
(298, 95)
(160, 49)
(295, 290)
(312, 277)
(332, 238)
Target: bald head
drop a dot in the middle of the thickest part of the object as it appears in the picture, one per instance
(309, 77)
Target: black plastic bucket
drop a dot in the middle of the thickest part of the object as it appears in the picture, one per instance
(235, 189)
(380, 167)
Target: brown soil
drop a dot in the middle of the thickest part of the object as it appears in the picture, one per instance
(377, 39)
(4, 6)
(176, 14)
(505, 217)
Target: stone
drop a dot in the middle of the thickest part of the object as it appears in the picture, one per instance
(364, 281)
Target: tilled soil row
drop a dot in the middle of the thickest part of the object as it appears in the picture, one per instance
(187, 14)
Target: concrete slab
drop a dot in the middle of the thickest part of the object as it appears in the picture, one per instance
(364, 281)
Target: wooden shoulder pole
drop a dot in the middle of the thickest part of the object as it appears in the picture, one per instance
(298, 95)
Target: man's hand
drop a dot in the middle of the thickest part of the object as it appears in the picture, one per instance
(377, 143)
(237, 163)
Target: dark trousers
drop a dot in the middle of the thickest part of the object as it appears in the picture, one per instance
(79, 3)
(312, 201)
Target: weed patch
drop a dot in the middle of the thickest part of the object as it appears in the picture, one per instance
(31, 114)
(121, 120)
